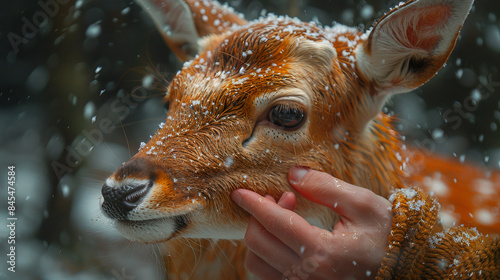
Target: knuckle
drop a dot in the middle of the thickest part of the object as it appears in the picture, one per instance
(365, 199)
(251, 240)
(365, 196)
(273, 224)
(375, 205)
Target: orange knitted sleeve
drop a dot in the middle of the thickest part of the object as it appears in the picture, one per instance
(420, 248)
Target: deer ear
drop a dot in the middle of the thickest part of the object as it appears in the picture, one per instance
(411, 43)
(183, 23)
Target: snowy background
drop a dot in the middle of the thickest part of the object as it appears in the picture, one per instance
(59, 80)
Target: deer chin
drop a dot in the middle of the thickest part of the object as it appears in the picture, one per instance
(153, 230)
(165, 229)
(185, 224)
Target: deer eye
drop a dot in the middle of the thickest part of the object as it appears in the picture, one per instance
(287, 116)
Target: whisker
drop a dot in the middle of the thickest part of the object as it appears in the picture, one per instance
(162, 118)
(111, 150)
(126, 139)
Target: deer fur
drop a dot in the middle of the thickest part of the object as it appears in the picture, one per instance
(218, 137)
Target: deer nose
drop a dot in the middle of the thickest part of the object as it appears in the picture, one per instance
(119, 201)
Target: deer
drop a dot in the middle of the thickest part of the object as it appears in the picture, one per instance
(255, 98)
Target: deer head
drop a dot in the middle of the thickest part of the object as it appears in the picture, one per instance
(260, 97)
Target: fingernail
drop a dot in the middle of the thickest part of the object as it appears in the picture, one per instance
(236, 197)
(297, 173)
(283, 195)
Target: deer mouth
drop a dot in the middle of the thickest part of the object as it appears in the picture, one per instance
(153, 230)
(180, 222)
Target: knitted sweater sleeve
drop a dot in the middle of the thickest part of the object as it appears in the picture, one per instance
(420, 248)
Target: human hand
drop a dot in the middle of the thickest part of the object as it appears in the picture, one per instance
(280, 248)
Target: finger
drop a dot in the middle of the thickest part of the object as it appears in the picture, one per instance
(260, 268)
(351, 202)
(286, 225)
(288, 201)
(269, 248)
(270, 198)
